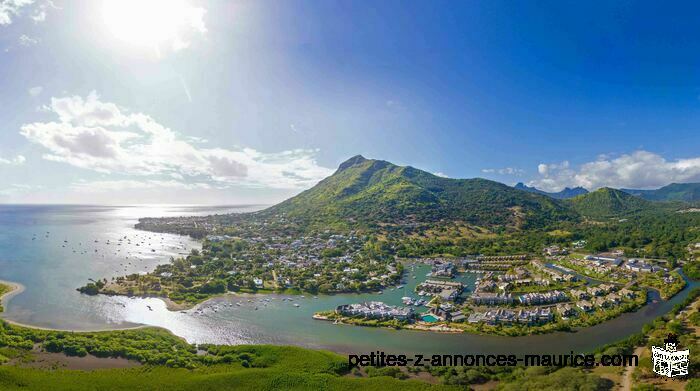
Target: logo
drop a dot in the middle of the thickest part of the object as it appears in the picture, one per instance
(669, 361)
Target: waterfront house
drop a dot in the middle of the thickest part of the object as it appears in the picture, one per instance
(376, 310)
(565, 310)
(585, 305)
(602, 302)
(439, 313)
(627, 293)
(538, 315)
(614, 298)
(486, 298)
(542, 297)
(476, 317)
(457, 316)
(445, 269)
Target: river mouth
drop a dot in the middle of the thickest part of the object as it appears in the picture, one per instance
(51, 273)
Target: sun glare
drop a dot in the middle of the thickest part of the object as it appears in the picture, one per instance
(145, 22)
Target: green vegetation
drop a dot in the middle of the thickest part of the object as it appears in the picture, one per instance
(659, 282)
(687, 192)
(225, 377)
(692, 269)
(322, 263)
(362, 321)
(3, 290)
(345, 234)
(406, 212)
(545, 378)
(173, 364)
(370, 193)
(678, 321)
(607, 203)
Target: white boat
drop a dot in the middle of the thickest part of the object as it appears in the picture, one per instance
(296, 305)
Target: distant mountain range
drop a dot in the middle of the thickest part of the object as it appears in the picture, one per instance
(373, 193)
(560, 195)
(688, 192)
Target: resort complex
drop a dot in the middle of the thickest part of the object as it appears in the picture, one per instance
(517, 293)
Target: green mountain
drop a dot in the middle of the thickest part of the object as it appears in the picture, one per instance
(367, 192)
(606, 202)
(688, 192)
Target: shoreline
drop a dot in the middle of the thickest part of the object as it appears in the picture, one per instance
(174, 307)
(440, 328)
(449, 328)
(15, 289)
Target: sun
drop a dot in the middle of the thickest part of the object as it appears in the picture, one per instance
(147, 22)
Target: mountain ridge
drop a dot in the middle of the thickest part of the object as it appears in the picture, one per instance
(688, 192)
(565, 193)
(607, 202)
(373, 192)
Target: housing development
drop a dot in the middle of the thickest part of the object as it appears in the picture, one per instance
(519, 290)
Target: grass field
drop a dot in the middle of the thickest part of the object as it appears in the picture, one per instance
(270, 368)
(226, 377)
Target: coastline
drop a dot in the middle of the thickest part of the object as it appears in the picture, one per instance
(15, 289)
(173, 306)
(442, 328)
(489, 330)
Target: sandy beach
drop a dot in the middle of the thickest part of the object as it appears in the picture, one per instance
(15, 289)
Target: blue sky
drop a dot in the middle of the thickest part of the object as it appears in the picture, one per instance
(253, 101)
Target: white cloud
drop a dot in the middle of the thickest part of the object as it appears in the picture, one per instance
(35, 91)
(503, 171)
(440, 174)
(196, 139)
(103, 137)
(16, 161)
(25, 40)
(544, 169)
(39, 14)
(16, 189)
(11, 8)
(640, 169)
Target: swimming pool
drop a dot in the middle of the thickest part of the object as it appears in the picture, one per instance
(430, 318)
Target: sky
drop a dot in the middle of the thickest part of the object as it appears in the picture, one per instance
(239, 102)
